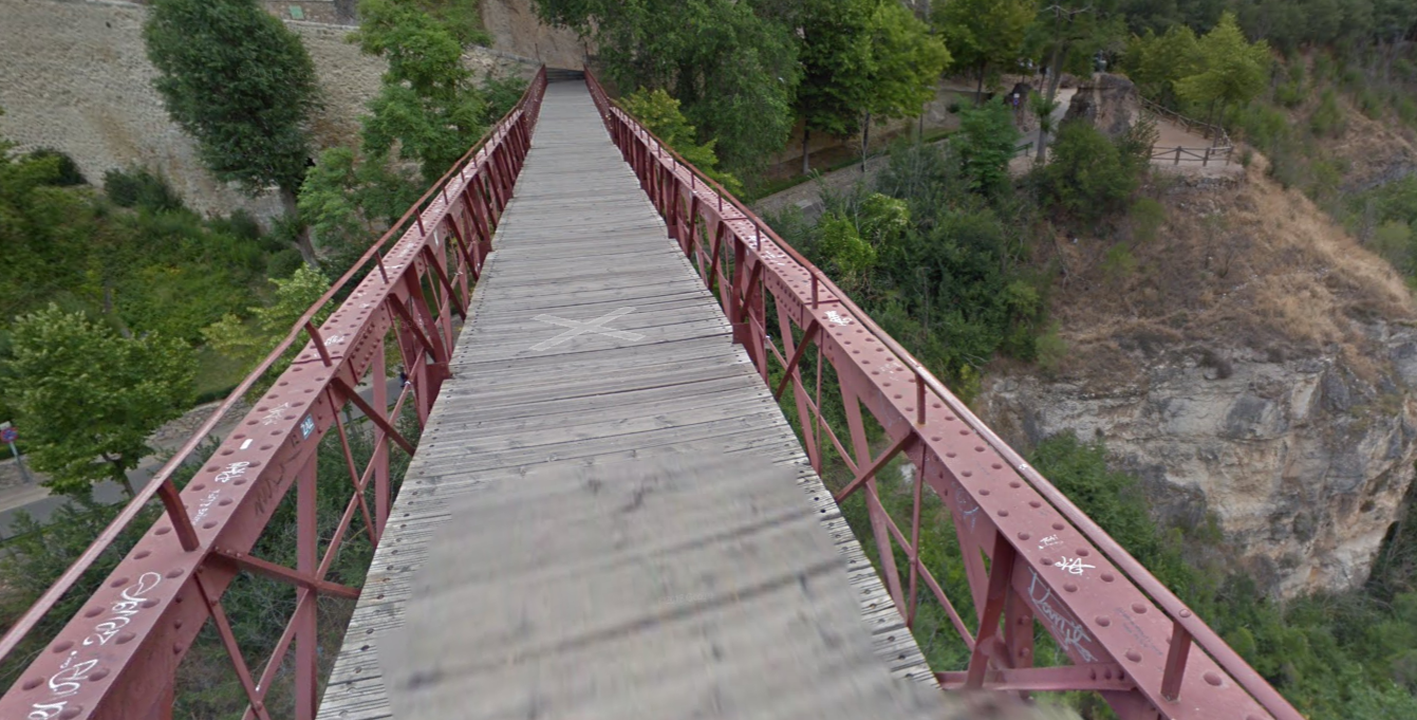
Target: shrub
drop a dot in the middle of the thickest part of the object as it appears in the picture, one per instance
(1089, 179)
(66, 171)
(138, 187)
(1328, 116)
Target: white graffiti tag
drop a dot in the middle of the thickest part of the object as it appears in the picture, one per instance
(836, 317)
(274, 416)
(1071, 634)
(1073, 565)
(72, 675)
(1048, 542)
(232, 471)
(206, 505)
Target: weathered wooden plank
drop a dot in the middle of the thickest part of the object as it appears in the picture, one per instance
(607, 527)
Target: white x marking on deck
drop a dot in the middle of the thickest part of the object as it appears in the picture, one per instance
(579, 328)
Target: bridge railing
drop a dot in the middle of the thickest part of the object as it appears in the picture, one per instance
(1129, 637)
(118, 658)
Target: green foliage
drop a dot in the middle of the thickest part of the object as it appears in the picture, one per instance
(139, 187)
(426, 104)
(1232, 70)
(1328, 119)
(984, 36)
(905, 62)
(836, 58)
(348, 200)
(732, 63)
(659, 113)
(250, 341)
(1157, 63)
(66, 172)
(240, 83)
(89, 399)
(1089, 177)
(986, 141)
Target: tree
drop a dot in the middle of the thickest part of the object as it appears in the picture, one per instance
(984, 34)
(233, 77)
(987, 138)
(1232, 69)
(905, 63)
(251, 342)
(427, 104)
(731, 63)
(1155, 63)
(87, 394)
(1066, 33)
(1089, 177)
(659, 112)
(836, 59)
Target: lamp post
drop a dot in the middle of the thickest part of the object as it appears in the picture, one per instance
(9, 435)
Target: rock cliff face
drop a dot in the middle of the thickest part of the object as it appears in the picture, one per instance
(1109, 102)
(1303, 462)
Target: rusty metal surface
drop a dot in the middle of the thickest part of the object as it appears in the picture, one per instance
(119, 656)
(1048, 561)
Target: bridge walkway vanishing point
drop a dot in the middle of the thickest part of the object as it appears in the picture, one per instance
(608, 516)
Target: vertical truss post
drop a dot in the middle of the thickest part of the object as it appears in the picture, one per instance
(1001, 572)
(380, 457)
(874, 510)
(306, 639)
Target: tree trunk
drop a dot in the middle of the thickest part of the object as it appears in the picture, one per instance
(865, 141)
(1053, 81)
(979, 90)
(806, 133)
(302, 237)
(121, 475)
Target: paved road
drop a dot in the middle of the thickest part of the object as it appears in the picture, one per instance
(37, 501)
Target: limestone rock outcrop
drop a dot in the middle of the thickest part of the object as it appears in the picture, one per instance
(1109, 102)
(1303, 461)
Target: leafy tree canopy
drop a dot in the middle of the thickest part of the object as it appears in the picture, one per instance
(984, 35)
(238, 81)
(659, 112)
(1232, 70)
(88, 399)
(731, 63)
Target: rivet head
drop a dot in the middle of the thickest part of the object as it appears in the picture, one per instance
(1212, 678)
(71, 712)
(1138, 608)
(32, 683)
(1134, 656)
(1103, 621)
(62, 646)
(1023, 536)
(1070, 587)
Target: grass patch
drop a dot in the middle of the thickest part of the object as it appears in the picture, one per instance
(217, 374)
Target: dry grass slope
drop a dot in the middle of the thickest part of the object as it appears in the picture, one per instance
(1237, 265)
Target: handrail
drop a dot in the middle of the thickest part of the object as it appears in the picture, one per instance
(485, 164)
(1175, 608)
(164, 475)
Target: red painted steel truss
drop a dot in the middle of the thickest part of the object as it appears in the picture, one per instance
(118, 657)
(1130, 638)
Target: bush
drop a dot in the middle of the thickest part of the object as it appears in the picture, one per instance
(67, 171)
(1328, 116)
(283, 263)
(140, 188)
(1089, 178)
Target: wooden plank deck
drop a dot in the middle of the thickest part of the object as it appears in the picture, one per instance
(613, 526)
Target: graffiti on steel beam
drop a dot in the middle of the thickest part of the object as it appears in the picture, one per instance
(1071, 633)
(71, 677)
(578, 328)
